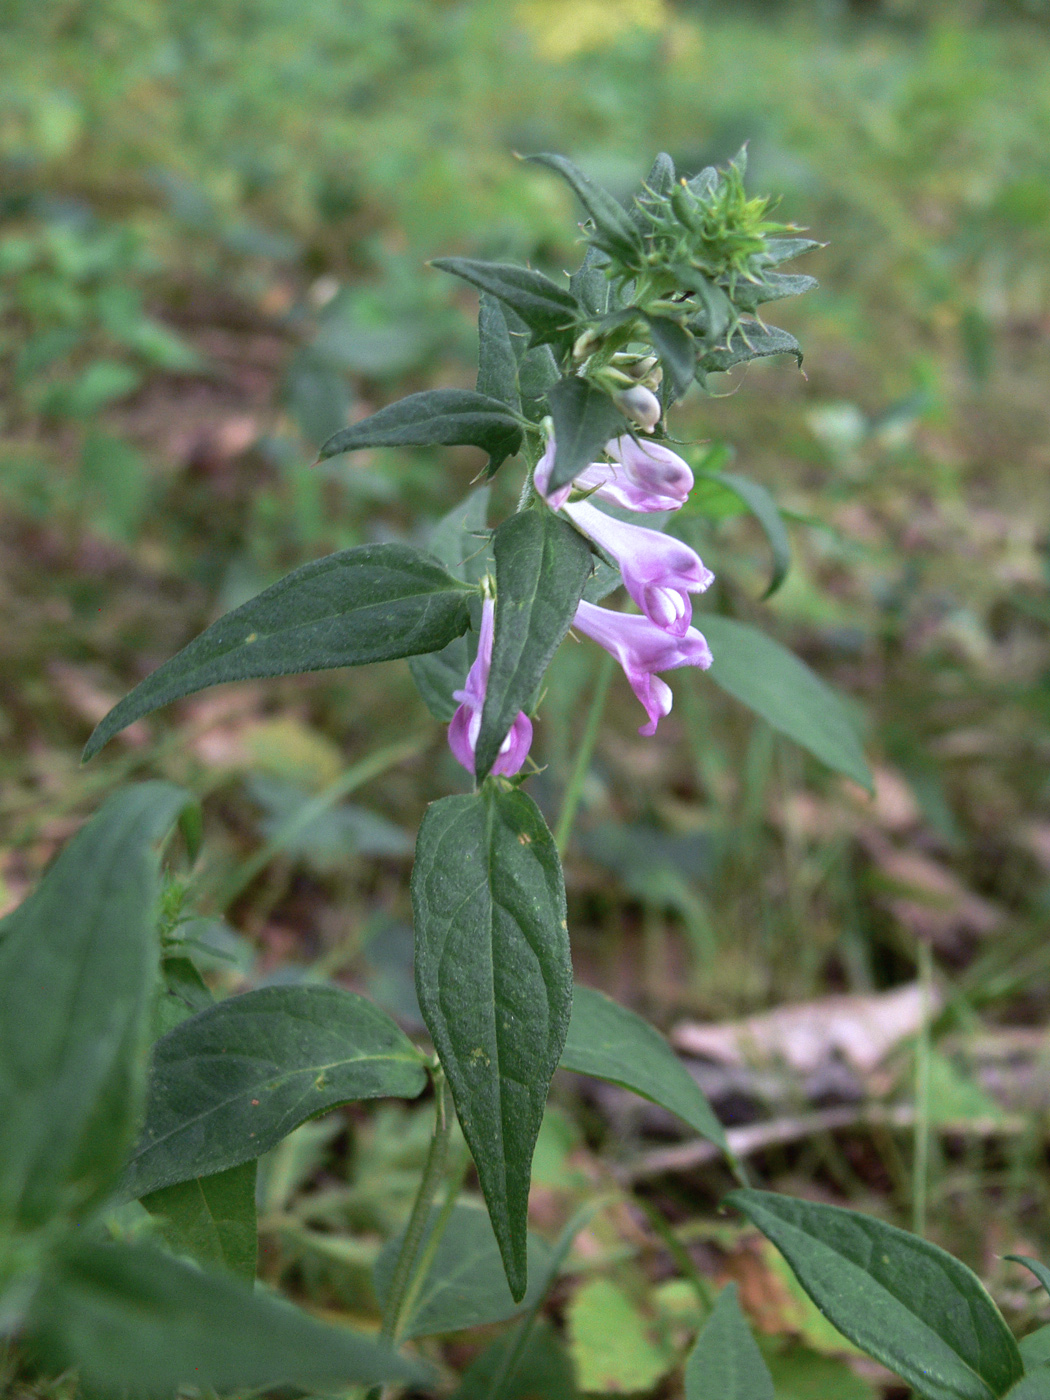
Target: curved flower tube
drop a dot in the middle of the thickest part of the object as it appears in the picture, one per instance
(642, 649)
(465, 725)
(641, 476)
(659, 572)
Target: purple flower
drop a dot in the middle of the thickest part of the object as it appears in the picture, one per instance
(644, 477)
(466, 722)
(642, 649)
(659, 572)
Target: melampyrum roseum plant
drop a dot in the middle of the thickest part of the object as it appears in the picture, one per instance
(579, 381)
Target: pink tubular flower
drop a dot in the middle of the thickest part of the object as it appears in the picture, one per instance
(659, 572)
(466, 722)
(644, 477)
(642, 649)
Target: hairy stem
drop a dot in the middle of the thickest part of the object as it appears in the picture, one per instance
(574, 790)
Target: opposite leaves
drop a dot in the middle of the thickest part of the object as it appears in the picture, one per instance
(494, 981)
(445, 417)
(373, 603)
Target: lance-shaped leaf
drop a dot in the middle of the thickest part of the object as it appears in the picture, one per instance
(774, 286)
(774, 683)
(211, 1219)
(660, 182)
(445, 417)
(497, 362)
(782, 250)
(900, 1299)
(585, 418)
(549, 311)
(494, 981)
(464, 1285)
(677, 351)
(609, 1042)
(542, 564)
(615, 232)
(131, 1319)
(765, 510)
(372, 603)
(590, 285)
(752, 342)
(78, 968)
(228, 1084)
(726, 1363)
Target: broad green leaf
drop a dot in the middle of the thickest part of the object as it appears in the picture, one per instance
(774, 683)
(677, 351)
(1034, 1386)
(494, 980)
(373, 603)
(134, 1318)
(585, 419)
(542, 564)
(801, 1374)
(497, 362)
(462, 543)
(543, 1370)
(445, 417)
(464, 1285)
(609, 1042)
(611, 1344)
(765, 510)
(590, 285)
(774, 286)
(753, 342)
(726, 1363)
(902, 1300)
(78, 971)
(549, 311)
(212, 1219)
(1035, 1348)
(615, 232)
(228, 1084)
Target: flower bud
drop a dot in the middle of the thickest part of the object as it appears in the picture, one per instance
(640, 405)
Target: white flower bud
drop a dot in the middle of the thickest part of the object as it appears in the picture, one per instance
(640, 405)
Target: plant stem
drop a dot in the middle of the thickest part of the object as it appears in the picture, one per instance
(574, 790)
(921, 1167)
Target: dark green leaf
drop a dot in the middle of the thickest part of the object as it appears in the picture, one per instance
(78, 969)
(752, 342)
(373, 603)
(212, 1219)
(464, 1285)
(590, 285)
(765, 510)
(615, 230)
(542, 564)
(543, 1372)
(317, 395)
(1034, 1266)
(549, 311)
(449, 417)
(229, 1083)
(726, 1363)
(716, 310)
(609, 1042)
(677, 351)
(129, 1317)
(902, 1300)
(585, 419)
(774, 286)
(497, 362)
(494, 980)
(774, 683)
(1035, 1348)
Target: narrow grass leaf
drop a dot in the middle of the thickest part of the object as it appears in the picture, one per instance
(902, 1300)
(609, 1042)
(228, 1084)
(774, 683)
(373, 603)
(494, 981)
(542, 565)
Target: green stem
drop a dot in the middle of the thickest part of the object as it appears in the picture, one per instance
(303, 816)
(426, 1255)
(921, 1169)
(574, 790)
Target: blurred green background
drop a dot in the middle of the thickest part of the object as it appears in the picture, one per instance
(215, 217)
